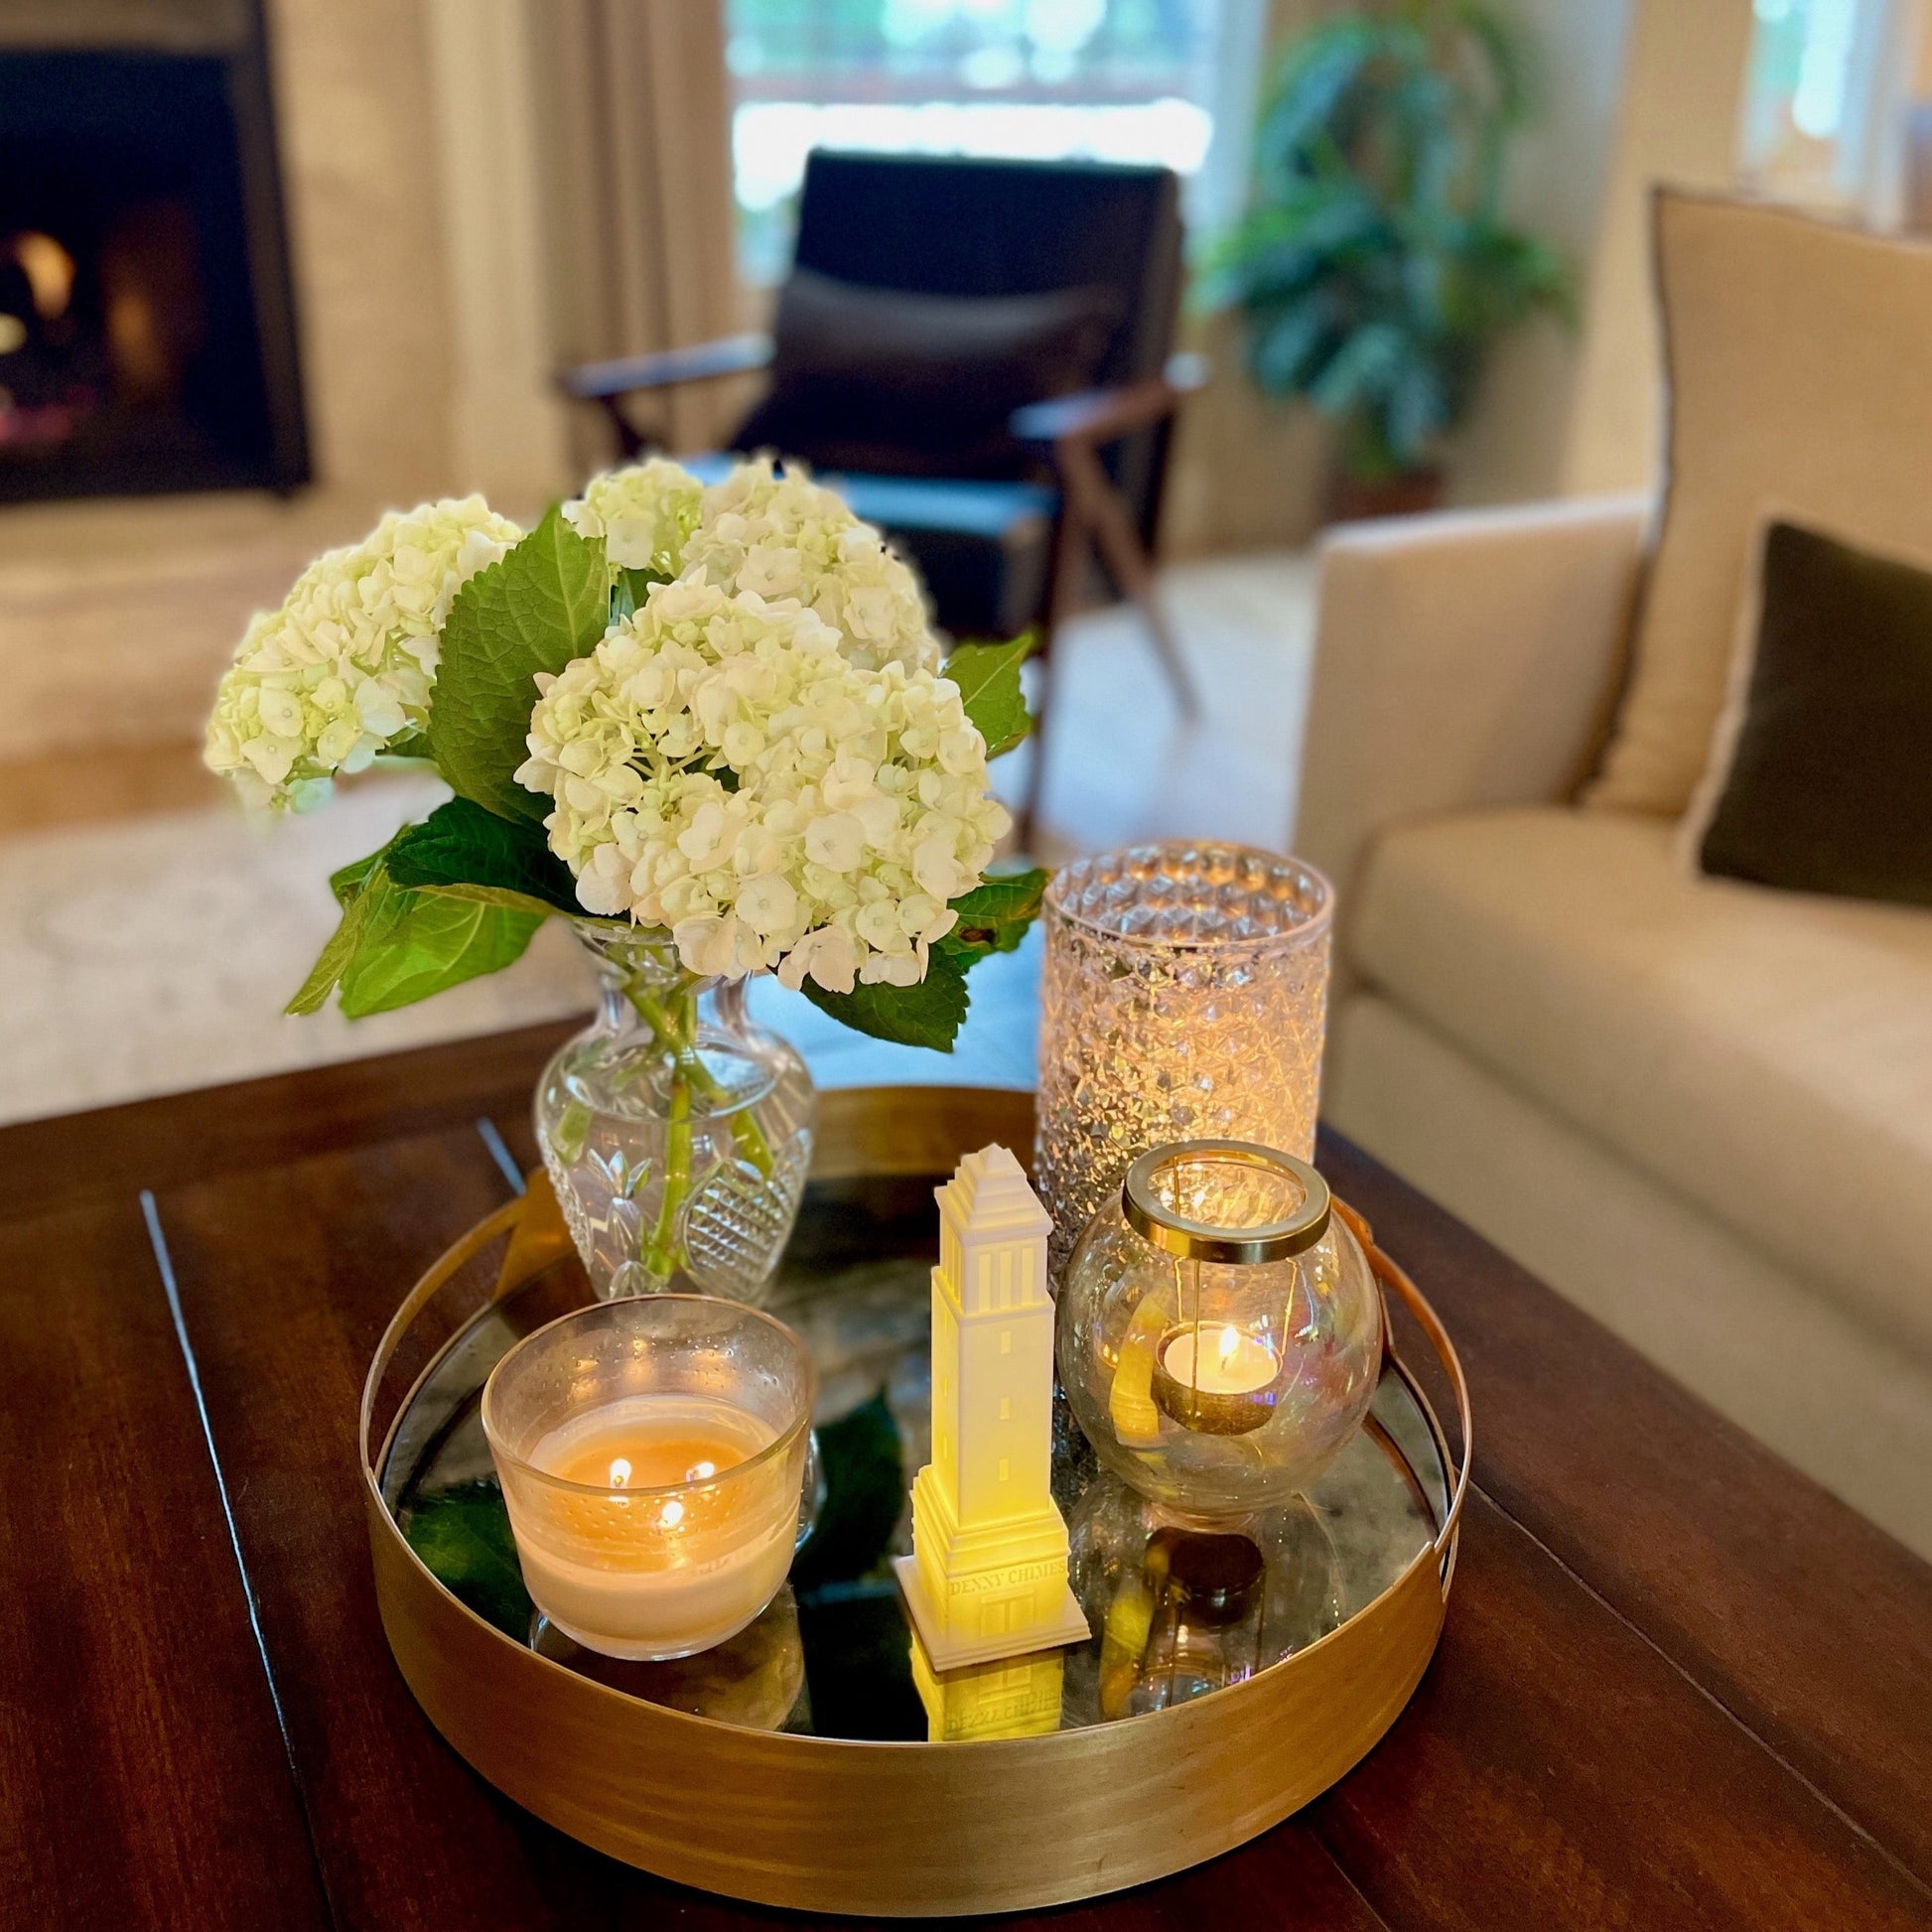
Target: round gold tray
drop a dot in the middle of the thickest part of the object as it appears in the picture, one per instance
(736, 1792)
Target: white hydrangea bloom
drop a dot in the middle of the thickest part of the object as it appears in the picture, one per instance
(721, 767)
(644, 513)
(778, 533)
(345, 666)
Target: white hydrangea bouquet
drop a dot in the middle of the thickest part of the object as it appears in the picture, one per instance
(706, 724)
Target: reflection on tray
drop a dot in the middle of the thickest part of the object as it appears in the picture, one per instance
(1012, 1696)
(755, 1679)
(1176, 1611)
(1183, 1611)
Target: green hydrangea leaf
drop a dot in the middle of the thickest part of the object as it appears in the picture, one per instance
(444, 902)
(351, 887)
(928, 1015)
(462, 1535)
(348, 884)
(545, 602)
(415, 944)
(629, 589)
(995, 916)
(333, 961)
(406, 748)
(988, 676)
(462, 846)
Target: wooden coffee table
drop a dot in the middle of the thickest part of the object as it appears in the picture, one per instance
(1679, 1685)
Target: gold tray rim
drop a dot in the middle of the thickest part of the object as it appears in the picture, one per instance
(899, 1826)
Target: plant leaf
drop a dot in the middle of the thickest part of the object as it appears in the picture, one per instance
(418, 943)
(462, 1535)
(348, 884)
(995, 916)
(333, 961)
(926, 1014)
(545, 602)
(351, 887)
(463, 846)
(630, 587)
(987, 677)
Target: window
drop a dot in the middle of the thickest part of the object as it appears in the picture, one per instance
(1148, 81)
(1820, 101)
(1005, 1341)
(1005, 1407)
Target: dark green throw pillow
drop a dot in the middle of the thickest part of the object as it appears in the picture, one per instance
(1829, 783)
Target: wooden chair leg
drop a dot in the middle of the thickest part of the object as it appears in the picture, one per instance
(1119, 543)
(630, 445)
(1067, 570)
(1027, 820)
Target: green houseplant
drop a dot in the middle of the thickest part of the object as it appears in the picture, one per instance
(1373, 270)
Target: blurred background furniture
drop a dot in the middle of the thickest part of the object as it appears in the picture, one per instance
(1698, 1107)
(979, 357)
(1680, 1100)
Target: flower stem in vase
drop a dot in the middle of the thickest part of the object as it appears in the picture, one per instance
(661, 1257)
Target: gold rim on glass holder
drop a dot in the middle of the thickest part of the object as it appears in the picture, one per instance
(1167, 1228)
(839, 1825)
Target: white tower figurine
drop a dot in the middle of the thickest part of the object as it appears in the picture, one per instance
(987, 1577)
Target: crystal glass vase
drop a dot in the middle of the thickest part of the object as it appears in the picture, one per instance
(1185, 996)
(675, 1131)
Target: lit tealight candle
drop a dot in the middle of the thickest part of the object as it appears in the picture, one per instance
(652, 1521)
(655, 1550)
(1215, 1377)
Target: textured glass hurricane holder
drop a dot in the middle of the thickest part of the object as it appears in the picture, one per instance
(676, 1133)
(1184, 995)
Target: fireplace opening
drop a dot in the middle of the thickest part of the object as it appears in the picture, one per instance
(146, 325)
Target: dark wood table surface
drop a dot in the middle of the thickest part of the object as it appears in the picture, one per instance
(1679, 1685)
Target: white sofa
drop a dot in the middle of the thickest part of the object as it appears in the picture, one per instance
(1700, 1110)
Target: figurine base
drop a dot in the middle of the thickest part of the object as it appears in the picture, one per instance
(949, 1653)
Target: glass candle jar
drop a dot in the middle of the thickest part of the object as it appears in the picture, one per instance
(1220, 1330)
(654, 1456)
(1184, 994)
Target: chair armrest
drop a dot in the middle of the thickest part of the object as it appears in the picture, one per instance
(701, 363)
(1097, 416)
(1462, 659)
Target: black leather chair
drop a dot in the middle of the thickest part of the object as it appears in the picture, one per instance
(1006, 530)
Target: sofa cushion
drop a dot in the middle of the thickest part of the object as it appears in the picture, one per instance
(1800, 358)
(1818, 779)
(1766, 1054)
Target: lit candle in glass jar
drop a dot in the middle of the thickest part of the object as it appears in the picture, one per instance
(1215, 1377)
(652, 1454)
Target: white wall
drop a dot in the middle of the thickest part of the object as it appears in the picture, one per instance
(1515, 443)
(1677, 122)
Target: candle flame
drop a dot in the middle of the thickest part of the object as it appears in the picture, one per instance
(698, 1471)
(672, 1514)
(1229, 1342)
(619, 1471)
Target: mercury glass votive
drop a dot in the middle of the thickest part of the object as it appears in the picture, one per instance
(655, 1454)
(1185, 996)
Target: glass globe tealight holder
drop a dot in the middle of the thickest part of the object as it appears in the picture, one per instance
(1219, 1330)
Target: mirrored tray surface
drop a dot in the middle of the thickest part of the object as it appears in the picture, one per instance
(1176, 1611)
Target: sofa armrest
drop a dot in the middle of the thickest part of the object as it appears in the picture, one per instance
(1465, 658)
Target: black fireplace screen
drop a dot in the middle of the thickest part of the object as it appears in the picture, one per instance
(146, 332)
